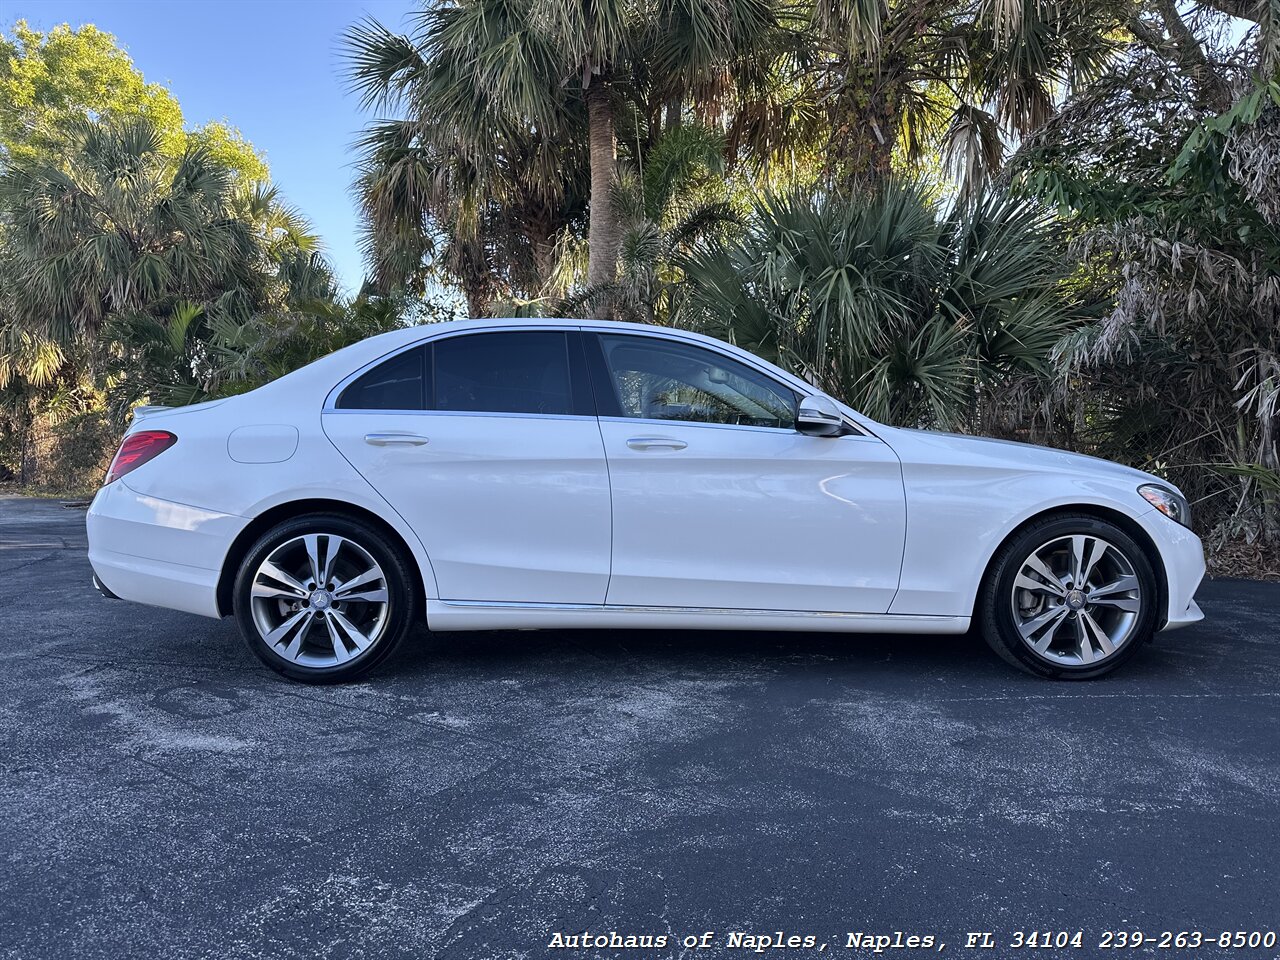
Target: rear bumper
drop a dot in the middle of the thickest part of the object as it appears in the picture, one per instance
(102, 588)
(158, 552)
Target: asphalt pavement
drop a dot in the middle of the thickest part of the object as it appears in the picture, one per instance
(164, 795)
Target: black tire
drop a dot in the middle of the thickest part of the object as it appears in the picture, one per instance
(996, 604)
(396, 617)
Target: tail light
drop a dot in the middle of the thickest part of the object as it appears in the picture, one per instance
(136, 450)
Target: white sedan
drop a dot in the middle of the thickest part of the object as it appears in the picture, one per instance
(512, 474)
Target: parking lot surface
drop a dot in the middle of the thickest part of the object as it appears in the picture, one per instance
(164, 795)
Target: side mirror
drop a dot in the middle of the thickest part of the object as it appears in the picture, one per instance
(819, 417)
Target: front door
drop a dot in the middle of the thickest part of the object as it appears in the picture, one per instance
(488, 446)
(719, 503)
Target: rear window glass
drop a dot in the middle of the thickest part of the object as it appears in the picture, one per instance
(396, 384)
(520, 372)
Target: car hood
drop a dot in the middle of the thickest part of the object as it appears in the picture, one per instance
(927, 446)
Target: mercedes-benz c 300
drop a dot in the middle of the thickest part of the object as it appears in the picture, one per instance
(516, 473)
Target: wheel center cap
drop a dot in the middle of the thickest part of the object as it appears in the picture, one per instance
(320, 599)
(1075, 599)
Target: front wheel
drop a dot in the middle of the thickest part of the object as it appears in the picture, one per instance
(323, 599)
(1070, 597)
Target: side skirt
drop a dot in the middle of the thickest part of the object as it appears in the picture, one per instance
(483, 615)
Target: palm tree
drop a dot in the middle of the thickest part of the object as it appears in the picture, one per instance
(459, 181)
(1175, 203)
(122, 227)
(678, 200)
(124, 258)
(907, 78)
(911, 316)
(507, 101)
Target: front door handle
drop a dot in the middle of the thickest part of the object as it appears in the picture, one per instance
(395, 439)
(648, 443)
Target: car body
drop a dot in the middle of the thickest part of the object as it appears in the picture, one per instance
(593, 503)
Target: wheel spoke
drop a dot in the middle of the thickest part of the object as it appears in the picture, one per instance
(295, 644)
(1035, 586)
(1106, 594)
(1041, 645)
(1029, 628)
(267, 591)
(369, 576)
(333, 545)
(1085, 553)
(369, 596)
(1101, 636)
(353, 633)
(312, 540)
(1084, 647)
(1052, 582)
(273, 572)
(339, 647)
(279, 633)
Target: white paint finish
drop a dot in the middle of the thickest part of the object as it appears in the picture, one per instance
(520, 504)
(155, 583)
(198, 469)
(742, 517)
(965, 495)
(158, 552)
(1183, 557)
(263, 443)
(468, 616)
(513, 508)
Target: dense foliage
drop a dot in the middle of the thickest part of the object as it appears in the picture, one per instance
(910, 316)
(139, 261)
(1052, 220)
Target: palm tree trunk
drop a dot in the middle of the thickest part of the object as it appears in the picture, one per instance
(864, 128)
(603, 233)
(673, 113)
(542, 246)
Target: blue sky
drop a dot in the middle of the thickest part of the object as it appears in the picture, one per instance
(270, 67)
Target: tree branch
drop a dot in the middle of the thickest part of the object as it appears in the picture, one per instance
(1244, 9)
(1214, 88)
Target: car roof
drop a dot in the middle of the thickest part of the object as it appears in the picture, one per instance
(374, 347)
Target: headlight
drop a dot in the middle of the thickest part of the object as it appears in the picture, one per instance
(1172, 505)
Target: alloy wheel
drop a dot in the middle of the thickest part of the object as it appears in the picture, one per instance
(319, 600)
(1076, 600)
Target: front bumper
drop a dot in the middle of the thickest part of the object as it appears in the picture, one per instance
(1183, 556)
(158, 552)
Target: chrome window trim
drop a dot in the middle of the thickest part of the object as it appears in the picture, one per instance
(786, 431)
(458, 413)
(697, 423)
(331, 398)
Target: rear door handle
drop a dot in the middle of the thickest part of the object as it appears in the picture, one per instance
(395, 439)
(647, 443)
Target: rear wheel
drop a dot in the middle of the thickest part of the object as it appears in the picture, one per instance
(323, 599)
(1070, 597)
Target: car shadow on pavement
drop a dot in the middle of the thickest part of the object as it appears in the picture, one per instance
(666, 651)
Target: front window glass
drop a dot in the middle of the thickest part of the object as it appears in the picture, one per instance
(665, 380)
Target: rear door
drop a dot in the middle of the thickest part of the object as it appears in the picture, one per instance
(487, 444)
